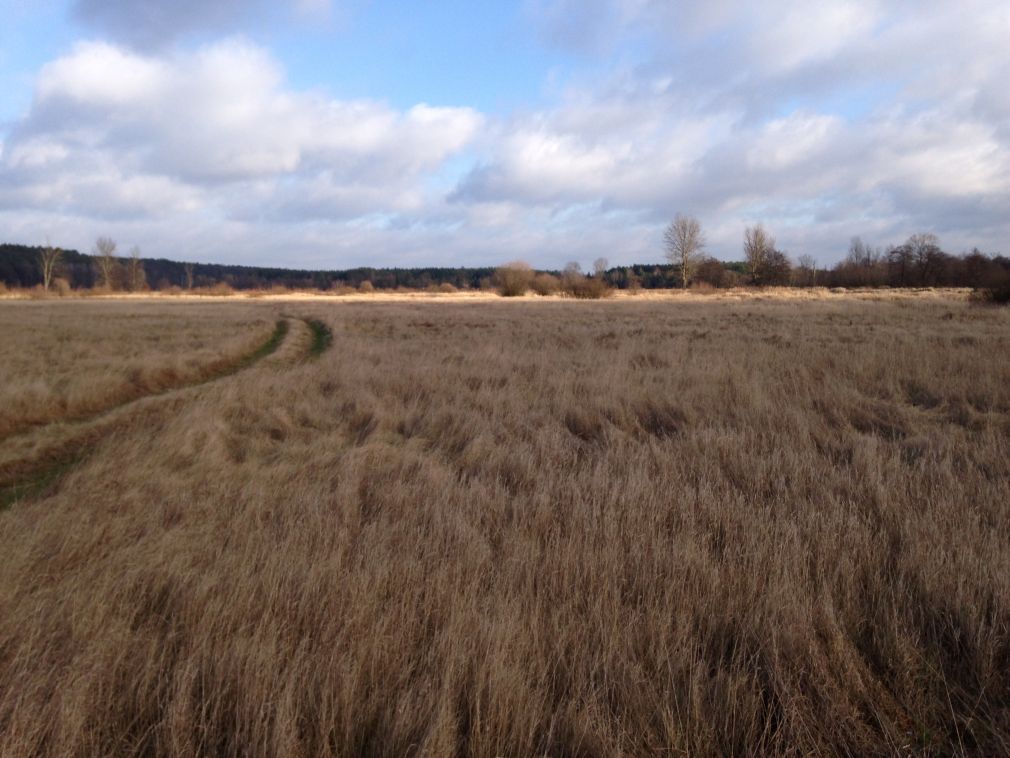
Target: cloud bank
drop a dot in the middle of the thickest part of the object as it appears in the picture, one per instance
(822, 121)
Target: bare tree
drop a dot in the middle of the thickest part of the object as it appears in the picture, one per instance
(188, 269)
(777, 270)
(899, 264)
(105, 258)
(600, 267)
(684, 242)
(807, 271)
(49, 258)
(571, 269)
(137, 279)
(927, 257)
(758, 246)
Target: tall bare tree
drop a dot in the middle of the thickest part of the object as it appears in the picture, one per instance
(758, 246)
(600, 267)
(105, 259)
(684, 242)
(927, 257)
(49, 259)
(807, 271)
(137, 279)
(188, 270)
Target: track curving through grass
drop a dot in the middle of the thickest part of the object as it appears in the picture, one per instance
(39, 480)
(272, 343)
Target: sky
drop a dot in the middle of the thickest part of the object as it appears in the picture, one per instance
(340, 133)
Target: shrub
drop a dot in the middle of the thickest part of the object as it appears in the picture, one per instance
(576, 284)
(447, 288)
(221, 289)
(992, 295)
(545, 284)
(366, 286)
(703, 288)
(711, 272)
(513, 279)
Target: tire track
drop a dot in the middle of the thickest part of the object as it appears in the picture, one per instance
(322, 337)
(37, 464)
(218, 372)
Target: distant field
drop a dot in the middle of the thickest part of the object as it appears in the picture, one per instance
(735, 524)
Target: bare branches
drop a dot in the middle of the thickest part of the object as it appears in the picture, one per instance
(49, 259)
(105, 259)
(757, 247)
(684, 242)
(136, 278)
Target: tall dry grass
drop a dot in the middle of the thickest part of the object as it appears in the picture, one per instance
(70, 360)
(539, 528)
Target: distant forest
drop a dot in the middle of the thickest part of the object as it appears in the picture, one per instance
(913, 264)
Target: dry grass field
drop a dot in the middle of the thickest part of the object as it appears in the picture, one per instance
(704, 526)
(72, 359)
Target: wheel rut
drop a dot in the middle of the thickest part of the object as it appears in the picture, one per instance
(36, 465)
(218, 372)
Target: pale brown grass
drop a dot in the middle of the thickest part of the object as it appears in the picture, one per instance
(538, 528)
(71, 359)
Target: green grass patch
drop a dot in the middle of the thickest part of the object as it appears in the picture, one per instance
(322, 337)
(42, 482)
(268, 347)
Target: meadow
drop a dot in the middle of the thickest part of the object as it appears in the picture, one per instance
(72, 359)
(706, 525)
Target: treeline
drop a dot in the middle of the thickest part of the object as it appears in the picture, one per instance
(919, 262)
(863, 267)
(21, 266)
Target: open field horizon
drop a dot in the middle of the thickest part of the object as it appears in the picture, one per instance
(491, 295)
(756, 521)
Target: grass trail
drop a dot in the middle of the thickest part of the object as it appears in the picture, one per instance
(322, 337)
(46, 477)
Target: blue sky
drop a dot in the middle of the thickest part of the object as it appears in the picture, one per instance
(336, 133)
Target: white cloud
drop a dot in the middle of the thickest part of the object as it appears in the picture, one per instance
(824, 120)
(114, 132)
